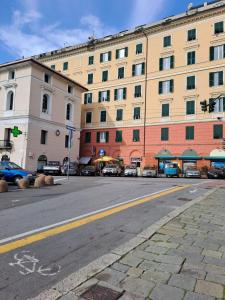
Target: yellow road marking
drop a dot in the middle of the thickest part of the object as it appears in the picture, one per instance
(86, 220)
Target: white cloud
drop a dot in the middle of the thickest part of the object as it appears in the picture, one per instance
(26, 35)
(146, 11)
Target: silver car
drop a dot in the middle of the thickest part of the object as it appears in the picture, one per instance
(192, 173)
(112, 169)
(149, 172)
(130, 171)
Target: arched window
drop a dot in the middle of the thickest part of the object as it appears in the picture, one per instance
(68, 112)
(45, 104)
(10, 100)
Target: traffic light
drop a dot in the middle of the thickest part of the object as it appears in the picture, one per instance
(212, 104)
(204, 105)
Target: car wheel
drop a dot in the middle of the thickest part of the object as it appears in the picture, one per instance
(16, 179)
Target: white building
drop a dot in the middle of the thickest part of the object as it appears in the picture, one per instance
(40, 102)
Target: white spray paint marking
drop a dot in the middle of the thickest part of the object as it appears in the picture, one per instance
(59, 179)
(193, 191)
(29, 264)
(14, 201)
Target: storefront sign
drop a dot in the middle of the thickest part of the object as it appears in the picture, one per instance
(101, 152)
(136, 159)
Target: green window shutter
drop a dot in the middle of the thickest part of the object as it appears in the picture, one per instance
(117, 53)
(224, 104)
(160, 64)
(138, 48)
(190, 133)
(165, 110)
(137, 91)
(160, 87)
(101, 57)
(104, 76)
(90, 78)
(87, 137)
(90, 98)
(211, 79)
(65, 66)
(171, 86)
(115, 94)
(107, 137)
(220, 77)
(164, 134)
(218, 27)
(190, 82)
(110, 55)
(98, 137)
(217, 131)
(103, 116)
(211, 53)
(136, 135)
(223, 51)
(133, 70)
(91, 60)
(191, 34)
(143, 68)
(119, 115)
(172, 61)
(99, 96)
(85, 98)
(190, 107)
(137, 113)
(167, 41)
(119, 136)
(121, 73)
(108, 95)
(126, 51)
(191, 58)
(124, 93)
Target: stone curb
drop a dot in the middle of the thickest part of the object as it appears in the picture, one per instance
(81, 276)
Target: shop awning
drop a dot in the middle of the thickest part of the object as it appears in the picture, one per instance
(216, 155)
(190, 154)
(84, 160)
(165, 154)
(218, 158)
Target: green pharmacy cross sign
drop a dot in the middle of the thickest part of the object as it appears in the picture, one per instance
(15, 131)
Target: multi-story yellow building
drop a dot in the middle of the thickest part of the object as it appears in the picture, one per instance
(145, 88)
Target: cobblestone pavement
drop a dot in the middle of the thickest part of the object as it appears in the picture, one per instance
(185, 259)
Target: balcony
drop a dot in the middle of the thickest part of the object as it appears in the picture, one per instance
(5, 144)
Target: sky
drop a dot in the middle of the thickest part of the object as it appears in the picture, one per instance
(29, 27)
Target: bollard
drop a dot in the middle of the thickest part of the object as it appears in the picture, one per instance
(39, 181)
(23, 184)
(3, 186)
(49, 180)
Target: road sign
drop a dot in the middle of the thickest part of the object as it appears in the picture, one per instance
(70, 128)
(15, 131)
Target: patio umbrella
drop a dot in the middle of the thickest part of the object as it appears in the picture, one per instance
(105, 159)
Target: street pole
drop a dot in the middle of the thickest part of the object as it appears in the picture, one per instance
(69, 153)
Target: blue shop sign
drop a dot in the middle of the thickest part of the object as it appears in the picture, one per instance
(101, 152)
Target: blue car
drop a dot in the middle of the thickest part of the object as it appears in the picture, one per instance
(171, 170)
(13, 173)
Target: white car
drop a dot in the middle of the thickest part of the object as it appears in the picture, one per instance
(130, 171)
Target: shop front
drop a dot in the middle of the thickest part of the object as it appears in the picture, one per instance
(189, 159)
(164, 157)
(217, 158)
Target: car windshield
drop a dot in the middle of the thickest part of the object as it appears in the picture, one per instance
(89, 168)
(171, 166)
(111, 166)
(130, 167)
(149, 168)
(13, 166)
(53, 163)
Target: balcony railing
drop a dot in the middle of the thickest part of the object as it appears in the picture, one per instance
(4, 144)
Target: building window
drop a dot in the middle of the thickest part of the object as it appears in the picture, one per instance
(167, 41)
(66, 141)
(190, 132)
(190, 107)
(47, 78)
(139, 48)
(165, 110)
(119, 114)
(91, 60)
(103, 116)
(88, 117)
(137, 91)
(216, 78)
(166, 63)
(137, 113)
(121, 73)
(44, 134)
(53, 67)
(70, 89)
(102, 137)
(166, 87)
(119, 136)
(104, 57)
(11, 75)
(220, 105)
(164, 134)
(10, 101)
(136, 135)
(138, 69)
(190, 82)
(65, 66)
(45, 104)
(104, 96)
(217, 131)
(105, 76)
(90, 78)
(217, 52)
(68, 111)
(191, 58)
(87, 137)
(120, 94)
(88, 98)
(191, 36)
(121, 53)
(218, 27)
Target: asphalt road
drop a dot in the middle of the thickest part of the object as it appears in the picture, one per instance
(47, 234)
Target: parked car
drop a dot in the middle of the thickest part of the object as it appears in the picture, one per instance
(53, 168)
(149, 172)
(89, 171)
(171, 170)
(73, 169)
(216, 173)
(13, 173)
(112, 169)
(192, 173)
(130, 170)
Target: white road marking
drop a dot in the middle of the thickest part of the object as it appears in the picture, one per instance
(193, 191)
(60, 179)
(18, 236)
(16, 200)
(203, 182)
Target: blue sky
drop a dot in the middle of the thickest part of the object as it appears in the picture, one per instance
(29, 27)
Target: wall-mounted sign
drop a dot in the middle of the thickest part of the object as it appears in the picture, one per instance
(15, 131)
(101, 152)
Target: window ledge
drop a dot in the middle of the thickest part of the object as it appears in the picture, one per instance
(190, 117)
(46, 116)
(9, 113)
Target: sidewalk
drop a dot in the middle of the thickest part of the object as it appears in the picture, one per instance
(184, 259)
